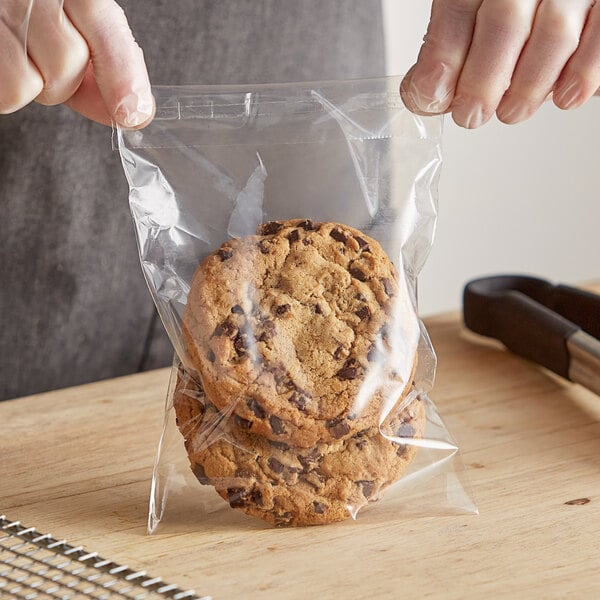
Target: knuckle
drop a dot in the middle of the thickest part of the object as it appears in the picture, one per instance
(64, 75)
(110, 20)
(450, 20)
(460, 9)
(558, 24)
(13, 98)
(505, 17)
(51, 96)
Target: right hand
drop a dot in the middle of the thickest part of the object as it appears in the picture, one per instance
(481, 57)
(75, 52)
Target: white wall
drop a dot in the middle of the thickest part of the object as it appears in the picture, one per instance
(523, 198)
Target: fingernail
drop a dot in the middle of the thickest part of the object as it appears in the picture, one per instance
(475, 117)
(432, 92)
(134, 110)
(515, 113)
(568, 96)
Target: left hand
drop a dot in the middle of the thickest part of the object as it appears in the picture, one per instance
(481, 57)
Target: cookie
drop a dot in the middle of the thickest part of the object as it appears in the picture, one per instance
(290, 329)
(286, 485)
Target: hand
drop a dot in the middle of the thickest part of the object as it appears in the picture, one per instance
(77, 52)
(481, 57)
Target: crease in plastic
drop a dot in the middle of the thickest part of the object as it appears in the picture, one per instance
(218, 161)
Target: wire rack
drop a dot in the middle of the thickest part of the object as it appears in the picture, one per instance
(37, 566)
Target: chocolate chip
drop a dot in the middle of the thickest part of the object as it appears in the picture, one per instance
(308, 225)
(338, 352)
(275, 465)
(361, 297)
(256, 497)
(402, 449)
(256, 408)
(200, 473)
(265, 246)
(225, 328)
(239, 343)
(338, 235)
(318, 310)
(243, 473)
(361, 242)
(361, 444)
(293, 236)
(338, 428)
(320, 508)
(225, 253)
(242, 423)
(270, 228)
(298, 400)
(387, 286)
(237, 310)
(367, 487)
(363, 313)
(405, 430)
(280, 445)
(280, 374)
(310, 460)
(267, 333)
(276, 425)
(282, 309)
(347, 373)
(315, 480)
(211, 356)
(282, 518)
(268, 325)
(238, 497)
(357, 274)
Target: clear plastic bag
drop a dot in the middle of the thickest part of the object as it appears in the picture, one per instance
(281, 230)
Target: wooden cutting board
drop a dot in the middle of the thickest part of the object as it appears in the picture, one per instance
(77, 463)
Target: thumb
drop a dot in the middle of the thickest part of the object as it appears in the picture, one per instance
(116, 87)
(88, 100)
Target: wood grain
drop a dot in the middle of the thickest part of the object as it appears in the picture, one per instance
(77, 463)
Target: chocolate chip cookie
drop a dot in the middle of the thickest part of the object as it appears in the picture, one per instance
(287, 485)
(290, 330)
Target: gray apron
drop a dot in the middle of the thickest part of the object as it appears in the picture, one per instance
(74, 307)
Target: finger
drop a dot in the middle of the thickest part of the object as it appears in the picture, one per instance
(119, 67)
(580, 78)
(501, 32)
(429, 86)
(556, 31)
(88, 101)
(59, 52)
(21, 82)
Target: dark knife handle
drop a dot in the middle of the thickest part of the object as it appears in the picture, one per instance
(495, 307)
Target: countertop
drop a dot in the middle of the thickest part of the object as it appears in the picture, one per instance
(77, 463)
